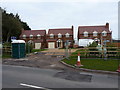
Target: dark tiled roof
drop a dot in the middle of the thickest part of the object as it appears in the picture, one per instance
(63, 31)
(33, 32)
(91, 29)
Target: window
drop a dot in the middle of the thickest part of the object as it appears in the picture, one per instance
(31, 36)
(94, 33)
(104, 33)
(51, 35)
(59, 35)
(38, 36)
(24, 36)
(85, 34)
(67, 35)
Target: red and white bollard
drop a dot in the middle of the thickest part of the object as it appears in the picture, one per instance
(78, 61)
(118, 69)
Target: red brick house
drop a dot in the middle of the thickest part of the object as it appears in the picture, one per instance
(97, 33)
(57, 38)
(35, 37)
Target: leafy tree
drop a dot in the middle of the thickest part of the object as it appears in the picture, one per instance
(12, 25)
(25, 26)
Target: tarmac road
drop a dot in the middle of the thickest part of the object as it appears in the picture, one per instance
(29, 77)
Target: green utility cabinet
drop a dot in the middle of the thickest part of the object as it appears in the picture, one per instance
(18, 49)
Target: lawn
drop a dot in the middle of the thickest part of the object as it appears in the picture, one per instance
(95, 64)
(6, 55)
(38, 50)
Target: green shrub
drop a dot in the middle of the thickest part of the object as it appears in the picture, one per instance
(7, 44)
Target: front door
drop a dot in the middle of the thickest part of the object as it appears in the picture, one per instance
(59, 43)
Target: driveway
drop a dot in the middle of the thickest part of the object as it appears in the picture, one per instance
(44, 59)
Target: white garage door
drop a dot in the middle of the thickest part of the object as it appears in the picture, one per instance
(51, 45)
(37, 45)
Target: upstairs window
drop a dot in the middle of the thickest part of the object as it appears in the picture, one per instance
(59, 35)
(104, 33)
(85, 34)
(51, 35)
(67, 35)
(38, 36)
(31, 36)
(24, 36)
(95, 33)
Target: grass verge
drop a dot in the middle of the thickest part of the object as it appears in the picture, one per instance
(38, 50)
(95, 64)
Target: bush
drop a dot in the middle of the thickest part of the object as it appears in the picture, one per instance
(94, 44)
(7, 44)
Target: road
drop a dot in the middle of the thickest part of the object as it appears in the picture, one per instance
(29, 77)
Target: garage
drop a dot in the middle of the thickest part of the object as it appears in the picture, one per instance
(51, 45)
(37, 45)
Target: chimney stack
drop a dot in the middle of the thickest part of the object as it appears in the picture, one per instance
(72, 27)
(107, 25)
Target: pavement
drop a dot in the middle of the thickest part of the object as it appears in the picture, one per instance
(30, 77)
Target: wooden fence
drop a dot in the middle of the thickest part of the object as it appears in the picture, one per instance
(93, 52)
(7, 49)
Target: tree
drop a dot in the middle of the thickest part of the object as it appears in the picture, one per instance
(12, 25)
(25, 26)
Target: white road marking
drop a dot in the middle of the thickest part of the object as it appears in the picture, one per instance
(32, 86)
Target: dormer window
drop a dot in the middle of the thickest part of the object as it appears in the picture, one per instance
(51, 35)
(95, 33)
(67, 35)
(59, 35)
(104, 33)
(31, 36)
(38, 36)
(24, 36)
(85, 34)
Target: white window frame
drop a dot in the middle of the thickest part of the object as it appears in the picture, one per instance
(85, 34)
(104, 33)
(31, 36)
(51, 35)
(38, 36)
(67, 35)
(24, 36)
(95, 33)
(59, 35)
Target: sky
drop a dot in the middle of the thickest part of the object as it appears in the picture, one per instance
(49, 14)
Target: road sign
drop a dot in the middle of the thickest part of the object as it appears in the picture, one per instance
(13, 38)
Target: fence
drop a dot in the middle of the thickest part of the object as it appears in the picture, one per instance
(85, 52)
(94, 52)
(7, 49)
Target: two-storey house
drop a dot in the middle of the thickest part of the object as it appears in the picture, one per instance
(101, 33)
(36, 37)
(59, 38)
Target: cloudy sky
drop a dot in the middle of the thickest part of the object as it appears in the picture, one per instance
(46, 14)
